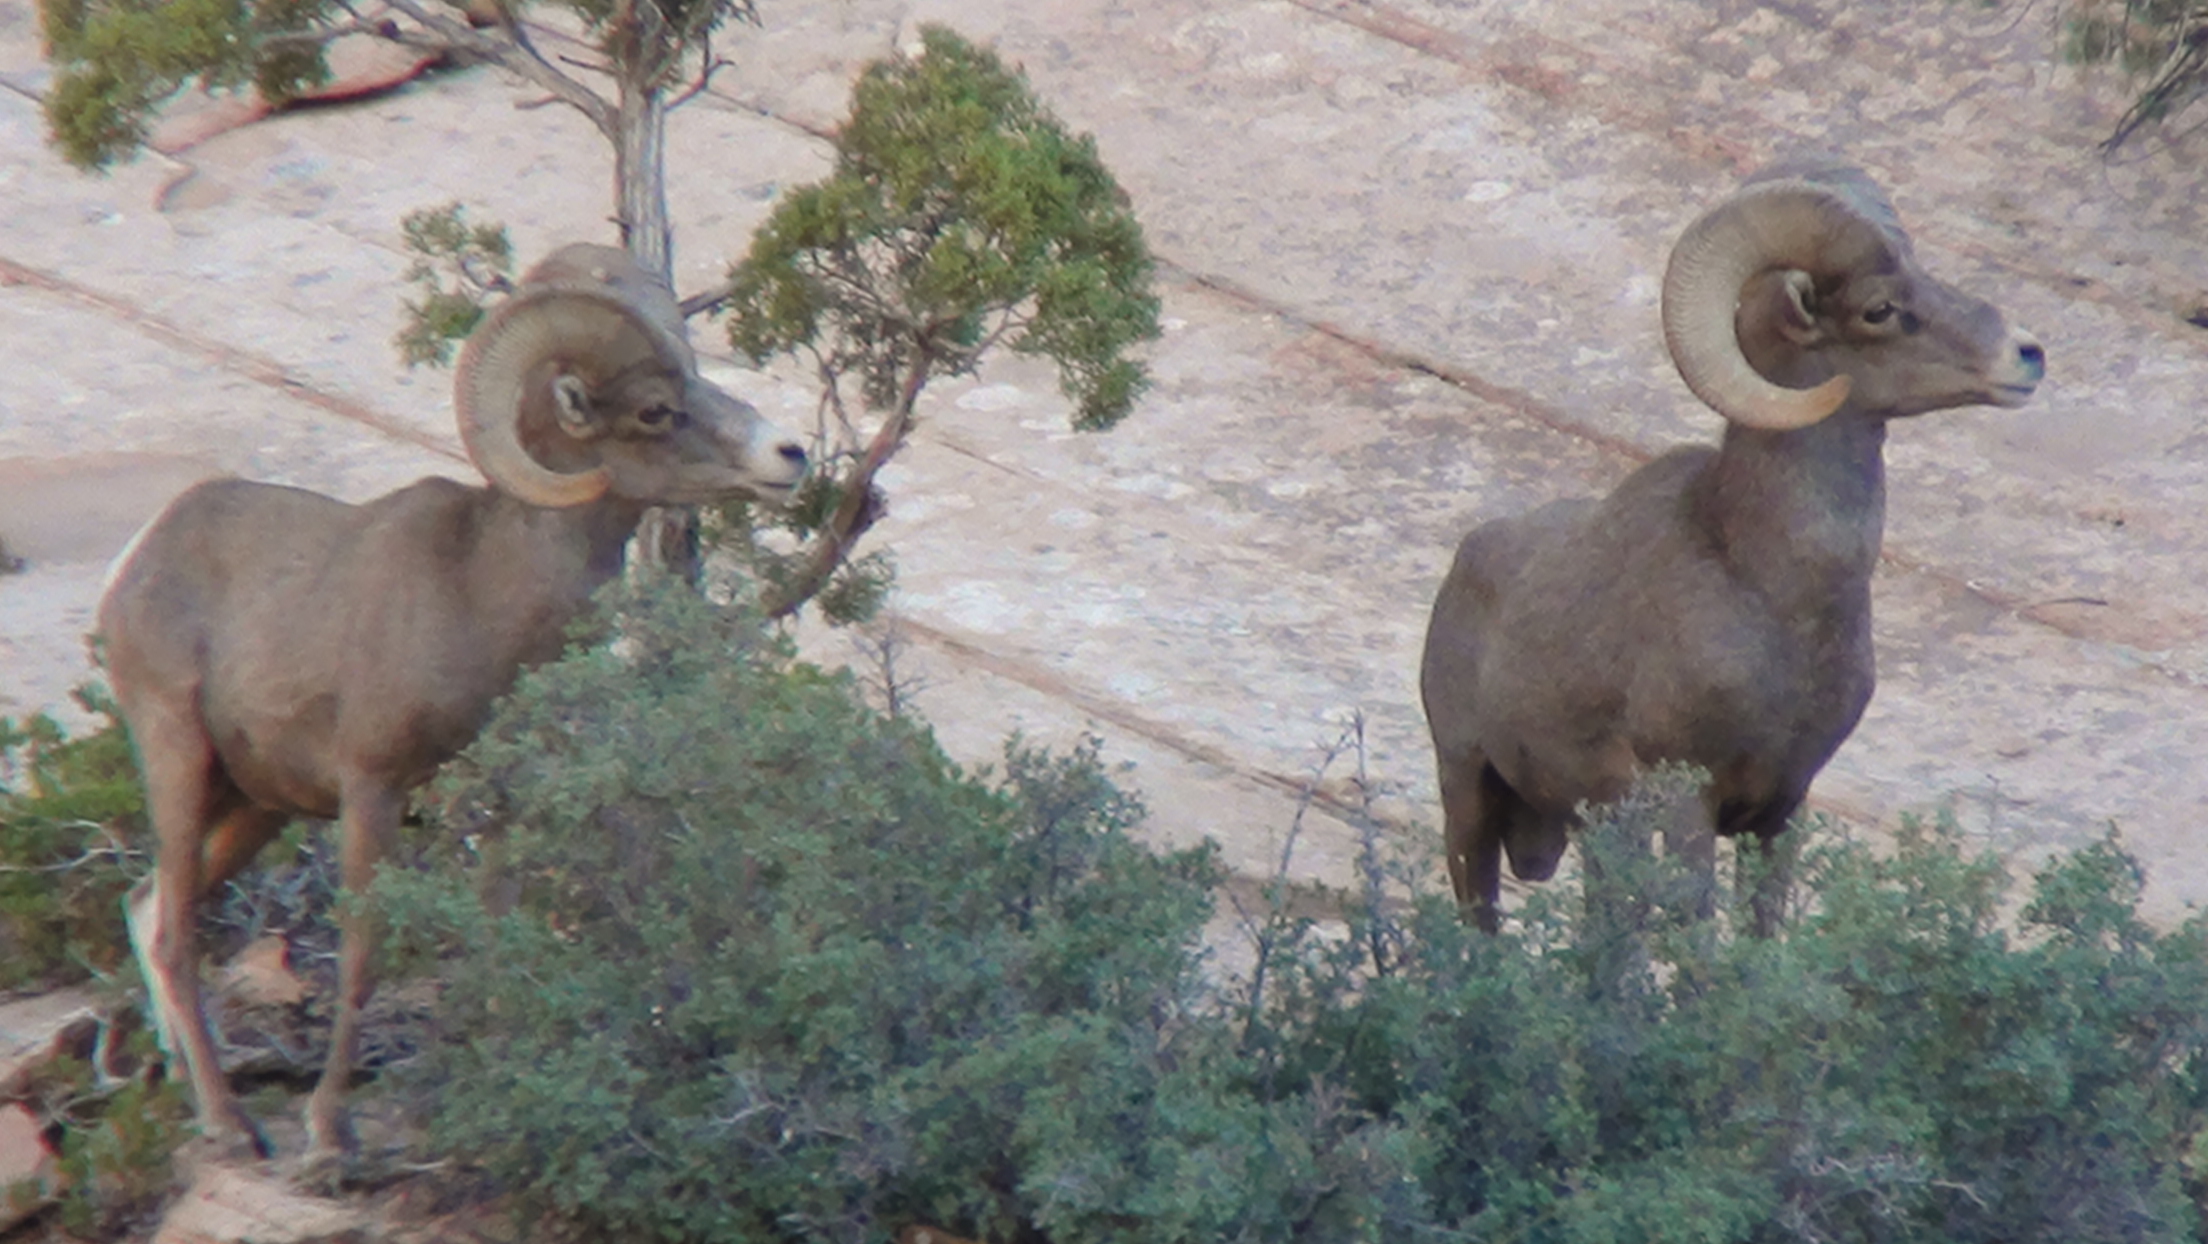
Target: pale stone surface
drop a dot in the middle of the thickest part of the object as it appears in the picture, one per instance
(26, 1166)
(34, 1030)
(261, 975)
(1413, 255)
(227, 1205)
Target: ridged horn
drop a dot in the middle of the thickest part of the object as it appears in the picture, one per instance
(584, 330)
(1777, 224)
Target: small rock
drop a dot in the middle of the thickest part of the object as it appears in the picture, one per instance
(35, 1031)
(261, 975)
(27, 1174)
(229, 1206)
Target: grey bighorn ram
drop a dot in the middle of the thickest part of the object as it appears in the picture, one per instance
(278, 653)
(1715, 608)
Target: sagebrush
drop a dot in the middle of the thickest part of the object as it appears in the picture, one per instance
(729, 956)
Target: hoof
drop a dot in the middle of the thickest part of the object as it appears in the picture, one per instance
(327, 1172)
(329, 1131)
(235, 1134)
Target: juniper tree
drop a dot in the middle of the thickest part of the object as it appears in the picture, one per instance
(961, 216)
(118, 62)
(2160, 44)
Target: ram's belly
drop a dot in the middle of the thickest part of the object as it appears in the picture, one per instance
(281, 759)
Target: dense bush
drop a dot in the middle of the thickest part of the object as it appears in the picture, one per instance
(735, 958)
(743, 960)
(71, 814)
(1905, 1064)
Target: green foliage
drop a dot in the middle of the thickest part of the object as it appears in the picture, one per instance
(1898, 1067)
(650, 51)
(117, 61)
(960, 215)
(457, 266)
(117, 1140)
(768, 967)
(763, 966)
(2162, 44)
(777, 550)
(69, 810)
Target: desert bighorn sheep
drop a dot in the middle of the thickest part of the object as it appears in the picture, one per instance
(278, 653)
(1715, 608)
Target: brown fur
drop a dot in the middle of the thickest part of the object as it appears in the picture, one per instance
(278, 653)
(1715, 608)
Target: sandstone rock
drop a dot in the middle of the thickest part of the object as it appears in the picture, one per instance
(225, 1205)
(27, 1174)
(261, 975)
(33, 1031)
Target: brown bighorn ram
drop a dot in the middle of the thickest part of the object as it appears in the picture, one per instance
(278, 653)
(1716, 607)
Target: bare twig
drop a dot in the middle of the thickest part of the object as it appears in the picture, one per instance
(708, 299)
(577, 62)
(882, 645)
(513, 53)
(1269, 934)
(708, 64)
(114, 851)
(328, 35)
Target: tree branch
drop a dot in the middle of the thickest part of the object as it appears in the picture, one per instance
(858, 509)
(514, 54)
(707, 65)
(331, 34)
(708, 299)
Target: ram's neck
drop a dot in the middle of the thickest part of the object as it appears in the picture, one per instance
(532, 569)
(1800, 514)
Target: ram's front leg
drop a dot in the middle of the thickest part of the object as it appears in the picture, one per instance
(1473, 842)
(1773, 869)
(368, 825)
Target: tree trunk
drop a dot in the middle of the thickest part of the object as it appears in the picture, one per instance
(640, 179)
(668, 535)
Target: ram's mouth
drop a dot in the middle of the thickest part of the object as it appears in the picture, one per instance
(777, 496)
(2013, 395)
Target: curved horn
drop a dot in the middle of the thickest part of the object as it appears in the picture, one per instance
(1778, 224)
(585, 330)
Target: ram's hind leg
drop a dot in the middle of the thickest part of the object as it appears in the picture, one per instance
(192, 806)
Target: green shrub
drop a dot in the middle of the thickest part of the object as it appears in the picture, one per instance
(70, 812)
(731, 957)
(1901, 1065)
(736, 958)
(117, 1140)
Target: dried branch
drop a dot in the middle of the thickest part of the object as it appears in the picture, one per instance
(708, 64)
(708, 299)
(331, 34)
(514, 54)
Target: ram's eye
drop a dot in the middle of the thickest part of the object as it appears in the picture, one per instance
(662, 417)
(1878, 313)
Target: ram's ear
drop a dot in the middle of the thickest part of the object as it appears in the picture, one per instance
(571, 406)
(1794, 308)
